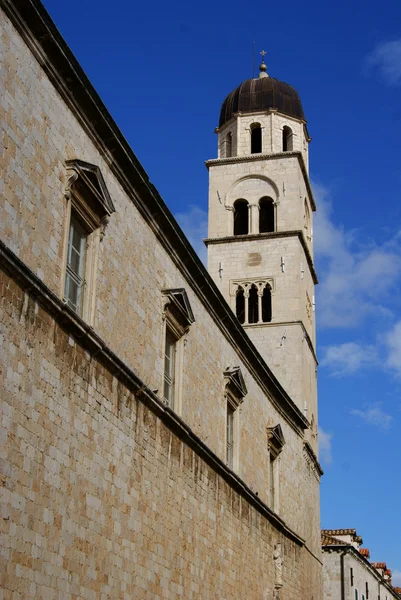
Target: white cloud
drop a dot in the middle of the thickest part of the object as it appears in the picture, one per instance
(348, 358)
(392, 341)
(374, 415)
(396, 578)
(355, 279)
(325, 446)
(386, 59)
(194, 224)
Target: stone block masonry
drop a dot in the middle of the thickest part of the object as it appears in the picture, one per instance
(101, 499)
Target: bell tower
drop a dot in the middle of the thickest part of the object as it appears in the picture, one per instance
(260, 235)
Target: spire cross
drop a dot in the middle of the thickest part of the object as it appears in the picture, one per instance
(263, 53)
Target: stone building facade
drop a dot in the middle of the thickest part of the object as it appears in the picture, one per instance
(348, 573)
(148, 447)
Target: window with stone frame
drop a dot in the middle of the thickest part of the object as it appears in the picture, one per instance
(88, 209)
(256, 138)
(241, 217)
(287, 139)
(235, 391)
(275, 444)
(266, 215)
(253, 300)
(177, 319)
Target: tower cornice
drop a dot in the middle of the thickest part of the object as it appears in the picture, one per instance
(258, 157)
(261, 236)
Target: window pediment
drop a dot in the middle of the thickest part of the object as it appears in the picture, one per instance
(235, 383)
(275, 439)
(179, 307)
(86, 185)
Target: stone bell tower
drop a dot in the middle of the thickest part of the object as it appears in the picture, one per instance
(260, 238)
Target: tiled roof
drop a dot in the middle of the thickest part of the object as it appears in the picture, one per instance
(329, 540)
(398, 590)
(379, 565)
(365, 552)
(339, 531)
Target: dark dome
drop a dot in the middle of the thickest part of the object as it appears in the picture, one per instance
(261, 94)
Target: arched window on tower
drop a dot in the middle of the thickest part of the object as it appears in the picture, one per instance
(256, 138)
(287, 139)
(240, 305)
(241, 217)
(267, 304)
(229, 144)
(266, 215)
(253, 305)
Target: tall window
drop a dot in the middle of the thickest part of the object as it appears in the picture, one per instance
(266, 215)
(235, 391)
(230, 435)
(241, 217)
(240, 305)
(229, 144)
(88, 209)
(253, 305)
(75, 271)
(287, 139)
(253, 301)
(169, 368)
(256, 138)
(275, 444)
(267, 304)
(272, 489)
(178, 317)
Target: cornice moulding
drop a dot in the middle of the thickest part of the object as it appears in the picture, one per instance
(212, 162)
(250, 237)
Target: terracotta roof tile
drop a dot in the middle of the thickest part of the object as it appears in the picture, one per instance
(365, 552)
(339, 531)
(329, 540)
(379, 565)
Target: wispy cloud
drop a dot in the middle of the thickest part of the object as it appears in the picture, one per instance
(386, 59)
(194, 225)
(348, 358)
(356, 277)
(375, 416)
(325, 452)
(392, 341)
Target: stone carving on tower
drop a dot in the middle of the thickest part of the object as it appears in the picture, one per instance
(260, 237)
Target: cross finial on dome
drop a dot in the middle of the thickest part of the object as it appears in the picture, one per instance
(262, 67)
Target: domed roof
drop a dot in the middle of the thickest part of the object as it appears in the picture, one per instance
(261, 94)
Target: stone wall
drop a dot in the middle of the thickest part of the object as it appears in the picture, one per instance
(365, 581)
(101, 499)
(91, 476)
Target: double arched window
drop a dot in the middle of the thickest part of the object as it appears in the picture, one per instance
(256, 138)
(241, 217)
(253, 303)
(266, 216)
(287, 139)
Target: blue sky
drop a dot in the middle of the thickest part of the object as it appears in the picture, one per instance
(163, 69)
